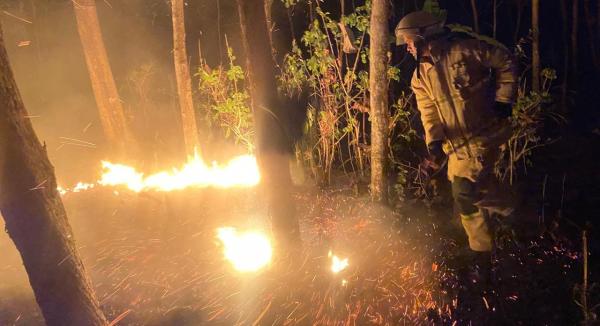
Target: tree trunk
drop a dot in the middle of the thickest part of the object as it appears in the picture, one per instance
(589, 20)
(519, 17)
(272, 145)
(35, 217)
(495, 19)
(535, 46)
(565, 41)
(184, 83)
(475, 16)
(112, 116)
(574, 33)
(270, 26)
(378, 83)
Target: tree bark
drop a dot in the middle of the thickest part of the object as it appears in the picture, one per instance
(35, 217)
(270, 26)
(535, 45)
(518, 22)
(184, 83)
(589, 20)
(495, 18)
(475, 16)
(378, 83)
(112, 116)
(272, 144)
(574, 33)
(565, 41)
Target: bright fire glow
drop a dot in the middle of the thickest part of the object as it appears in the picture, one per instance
(82, 186)
(242, 171)
(248, 251)
(337, 264)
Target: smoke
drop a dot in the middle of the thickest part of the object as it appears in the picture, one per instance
(49, 65)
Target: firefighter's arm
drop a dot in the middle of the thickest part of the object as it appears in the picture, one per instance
(430, 118)
(504, 64)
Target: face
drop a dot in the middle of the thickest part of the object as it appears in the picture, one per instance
(410, 45)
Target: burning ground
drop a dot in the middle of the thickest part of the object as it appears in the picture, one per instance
(155, 259)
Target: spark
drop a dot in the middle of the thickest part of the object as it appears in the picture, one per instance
(248, 251)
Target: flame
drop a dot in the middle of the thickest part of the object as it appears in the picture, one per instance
(337, 264)
(248, 251)
(241, 171)
(82, 186)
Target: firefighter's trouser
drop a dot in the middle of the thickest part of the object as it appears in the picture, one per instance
(466, 195)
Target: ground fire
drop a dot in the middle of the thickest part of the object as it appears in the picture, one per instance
(241, 171)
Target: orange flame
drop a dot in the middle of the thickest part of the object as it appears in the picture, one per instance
(242, 171)
(248, 251)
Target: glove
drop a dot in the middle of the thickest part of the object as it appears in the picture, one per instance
(503, 110)
(432, 164)
(436, 154)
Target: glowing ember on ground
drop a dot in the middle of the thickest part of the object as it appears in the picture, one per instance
(337, 264)
(247, 251)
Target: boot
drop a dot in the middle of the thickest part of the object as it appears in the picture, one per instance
(482, 270)
(476, 227)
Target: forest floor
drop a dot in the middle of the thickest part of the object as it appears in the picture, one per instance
(154, 259)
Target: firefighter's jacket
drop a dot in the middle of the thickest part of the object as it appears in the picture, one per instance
(455, 88)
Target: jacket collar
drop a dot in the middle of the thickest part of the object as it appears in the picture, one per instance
(437, 48)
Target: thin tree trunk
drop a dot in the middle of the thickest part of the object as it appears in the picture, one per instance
(184, 82)
(35, 217)
(475, 16)
(112, 116)
(518, 23)
(219, 31)
(535, 45)
(378, 84)
(574, 33)
(269, 17)
(272, 146)
(495, 18)
(589, 20)
(565, 39)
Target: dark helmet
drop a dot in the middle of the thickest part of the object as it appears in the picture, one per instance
(418, 24)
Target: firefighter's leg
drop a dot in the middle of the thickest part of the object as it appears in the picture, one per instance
(465, 195)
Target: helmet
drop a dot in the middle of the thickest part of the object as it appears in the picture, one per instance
(419, 24)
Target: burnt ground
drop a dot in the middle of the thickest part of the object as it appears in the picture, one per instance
(154, 260)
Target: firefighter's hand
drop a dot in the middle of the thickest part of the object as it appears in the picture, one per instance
(428, 167)
(436, 154)
(434, 161)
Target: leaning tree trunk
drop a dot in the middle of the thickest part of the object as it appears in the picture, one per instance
(184, 83)
(378, 83)
(112, 116)
(35, 217)
(272, 145)
(535, 45)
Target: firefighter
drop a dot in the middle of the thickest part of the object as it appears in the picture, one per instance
(464, 88)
